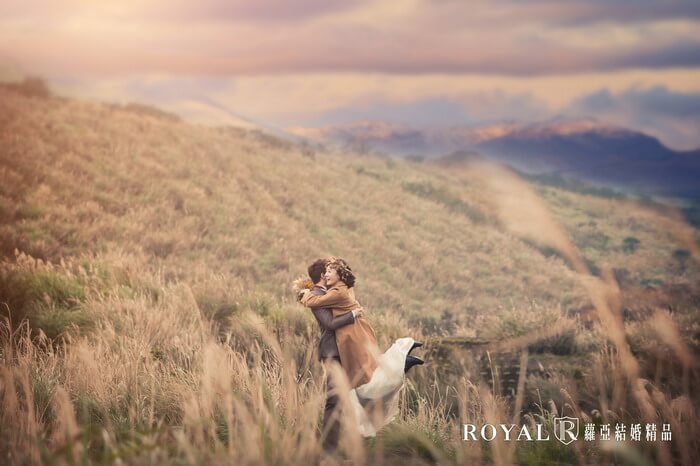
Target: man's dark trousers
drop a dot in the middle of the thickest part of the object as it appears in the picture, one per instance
(331, 412)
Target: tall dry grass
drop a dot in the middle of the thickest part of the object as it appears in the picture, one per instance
(155, 381)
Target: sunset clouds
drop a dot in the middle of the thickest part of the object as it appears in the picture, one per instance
(439, 36)
(305, 59)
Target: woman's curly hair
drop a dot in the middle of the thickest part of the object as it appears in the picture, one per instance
(343, 269)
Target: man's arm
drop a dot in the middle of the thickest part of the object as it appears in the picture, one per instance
(333, 298)
(326, 319)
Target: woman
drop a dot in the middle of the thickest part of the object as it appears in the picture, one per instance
(376, 378)
(357, 344)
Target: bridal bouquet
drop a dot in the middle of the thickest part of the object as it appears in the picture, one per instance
(300, 284)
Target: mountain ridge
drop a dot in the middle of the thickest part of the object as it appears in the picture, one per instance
(584, 148)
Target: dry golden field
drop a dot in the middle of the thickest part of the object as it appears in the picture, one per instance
(147, 315)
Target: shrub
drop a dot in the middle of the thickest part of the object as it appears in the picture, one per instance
(630, 244)
(49, 300)
(562, 344)
(681, 256)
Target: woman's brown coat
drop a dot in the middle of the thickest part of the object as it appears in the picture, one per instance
(357, 343)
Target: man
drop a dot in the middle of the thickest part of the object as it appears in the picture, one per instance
(328, 353)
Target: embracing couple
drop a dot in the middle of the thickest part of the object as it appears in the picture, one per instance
(347, 339)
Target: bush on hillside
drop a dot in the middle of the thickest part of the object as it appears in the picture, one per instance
(48, 299)
(630, 244)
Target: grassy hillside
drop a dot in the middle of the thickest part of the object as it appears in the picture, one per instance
(84, 178)
(153, 260)
(191, 201)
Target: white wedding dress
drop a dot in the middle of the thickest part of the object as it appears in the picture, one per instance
(376, 403)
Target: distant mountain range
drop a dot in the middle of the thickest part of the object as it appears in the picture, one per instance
(584, 149)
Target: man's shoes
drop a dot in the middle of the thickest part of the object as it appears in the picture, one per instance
(416, 344)
(412, 361)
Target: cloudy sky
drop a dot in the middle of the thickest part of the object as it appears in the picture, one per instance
(285, 63)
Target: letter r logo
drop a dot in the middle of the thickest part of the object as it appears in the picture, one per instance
(566, 429)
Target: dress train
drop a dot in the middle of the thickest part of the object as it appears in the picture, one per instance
(376, 403)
